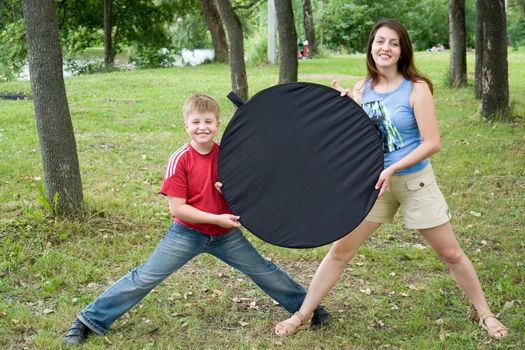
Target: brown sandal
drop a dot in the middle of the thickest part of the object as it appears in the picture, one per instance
(494, 329)
(290, 328)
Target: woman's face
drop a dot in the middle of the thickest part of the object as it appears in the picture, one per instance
(386, 49)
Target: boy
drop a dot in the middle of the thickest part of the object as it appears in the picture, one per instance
(203, 223)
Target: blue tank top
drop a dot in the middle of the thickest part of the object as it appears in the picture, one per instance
(394, 117)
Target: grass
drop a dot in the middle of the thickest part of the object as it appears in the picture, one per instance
(395, 295)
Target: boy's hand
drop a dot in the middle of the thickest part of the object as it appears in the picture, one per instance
(344, 92)
(228, 220)
(218, 186)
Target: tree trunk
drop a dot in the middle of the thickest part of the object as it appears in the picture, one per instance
(479, 48)
(272, 27)
(218, 37)
(309, 28)
(55, 130)
(287, 41)
(236, 48)
(458, 43)
(494, 73)
(109, 52)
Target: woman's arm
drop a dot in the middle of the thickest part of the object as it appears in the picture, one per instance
(358, 91)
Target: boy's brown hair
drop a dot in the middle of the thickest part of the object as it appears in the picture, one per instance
(201, 103)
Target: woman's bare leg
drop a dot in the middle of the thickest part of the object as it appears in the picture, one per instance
(444, 243)
(330, 270)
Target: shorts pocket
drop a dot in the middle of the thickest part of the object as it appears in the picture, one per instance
(423, 181)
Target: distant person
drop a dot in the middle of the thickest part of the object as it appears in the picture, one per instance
(202, 223)
(303, 51)
(306, 49)
(397, 97)
(437, 48)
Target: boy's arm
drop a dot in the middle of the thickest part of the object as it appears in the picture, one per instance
(179, 209)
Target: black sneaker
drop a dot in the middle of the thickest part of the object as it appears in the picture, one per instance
(77, 333)
(321, 317)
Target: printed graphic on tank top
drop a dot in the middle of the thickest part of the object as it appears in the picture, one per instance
(391, 139)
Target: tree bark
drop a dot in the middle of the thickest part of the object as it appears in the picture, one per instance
(218, 37)
(236, 48)
(458, 43)
(287, 41)
(272, 27)
(55, 130)
(479, 49)
(309, 27)
(494, 73)
(109, 51)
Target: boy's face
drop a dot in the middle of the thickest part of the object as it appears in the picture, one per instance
(202, 127)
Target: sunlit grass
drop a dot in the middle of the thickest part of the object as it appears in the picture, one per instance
(395, 294)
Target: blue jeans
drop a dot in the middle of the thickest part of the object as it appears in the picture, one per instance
(179, 245)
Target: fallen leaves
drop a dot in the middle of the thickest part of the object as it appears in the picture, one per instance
(366, 291)
(508, 304)
(240, 300)
(375, 323)
(443, 335)
(475, 213)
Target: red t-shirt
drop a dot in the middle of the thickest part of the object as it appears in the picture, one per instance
(192, 176)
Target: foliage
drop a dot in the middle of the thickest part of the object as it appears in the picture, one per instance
(80, 67)
(50, 208)
(189, 31)
(13, 50)
(516, 23)
(144, 57)
(256, 48)
(141, 24)
(10, 11)
(346, 24)
(396, 293)
(81, 24)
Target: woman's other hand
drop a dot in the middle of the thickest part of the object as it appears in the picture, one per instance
(384, 180)
(343, 91)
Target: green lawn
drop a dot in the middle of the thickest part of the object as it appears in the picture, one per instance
(395, 295)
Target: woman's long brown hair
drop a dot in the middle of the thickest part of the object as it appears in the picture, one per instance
(405, 65)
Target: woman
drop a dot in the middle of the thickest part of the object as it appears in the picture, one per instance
(399, 99)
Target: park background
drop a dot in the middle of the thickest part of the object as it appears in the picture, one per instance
(395, 294)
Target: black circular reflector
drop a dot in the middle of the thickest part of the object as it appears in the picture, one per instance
(298, 164)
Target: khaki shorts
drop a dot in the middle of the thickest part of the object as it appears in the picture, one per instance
(418, 195)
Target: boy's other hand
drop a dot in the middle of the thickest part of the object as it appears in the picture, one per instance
(343, 91)
(218, 186)
(228, 220)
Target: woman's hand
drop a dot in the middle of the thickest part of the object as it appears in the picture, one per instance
(384, 180)
(343, 91)
(218, 186)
